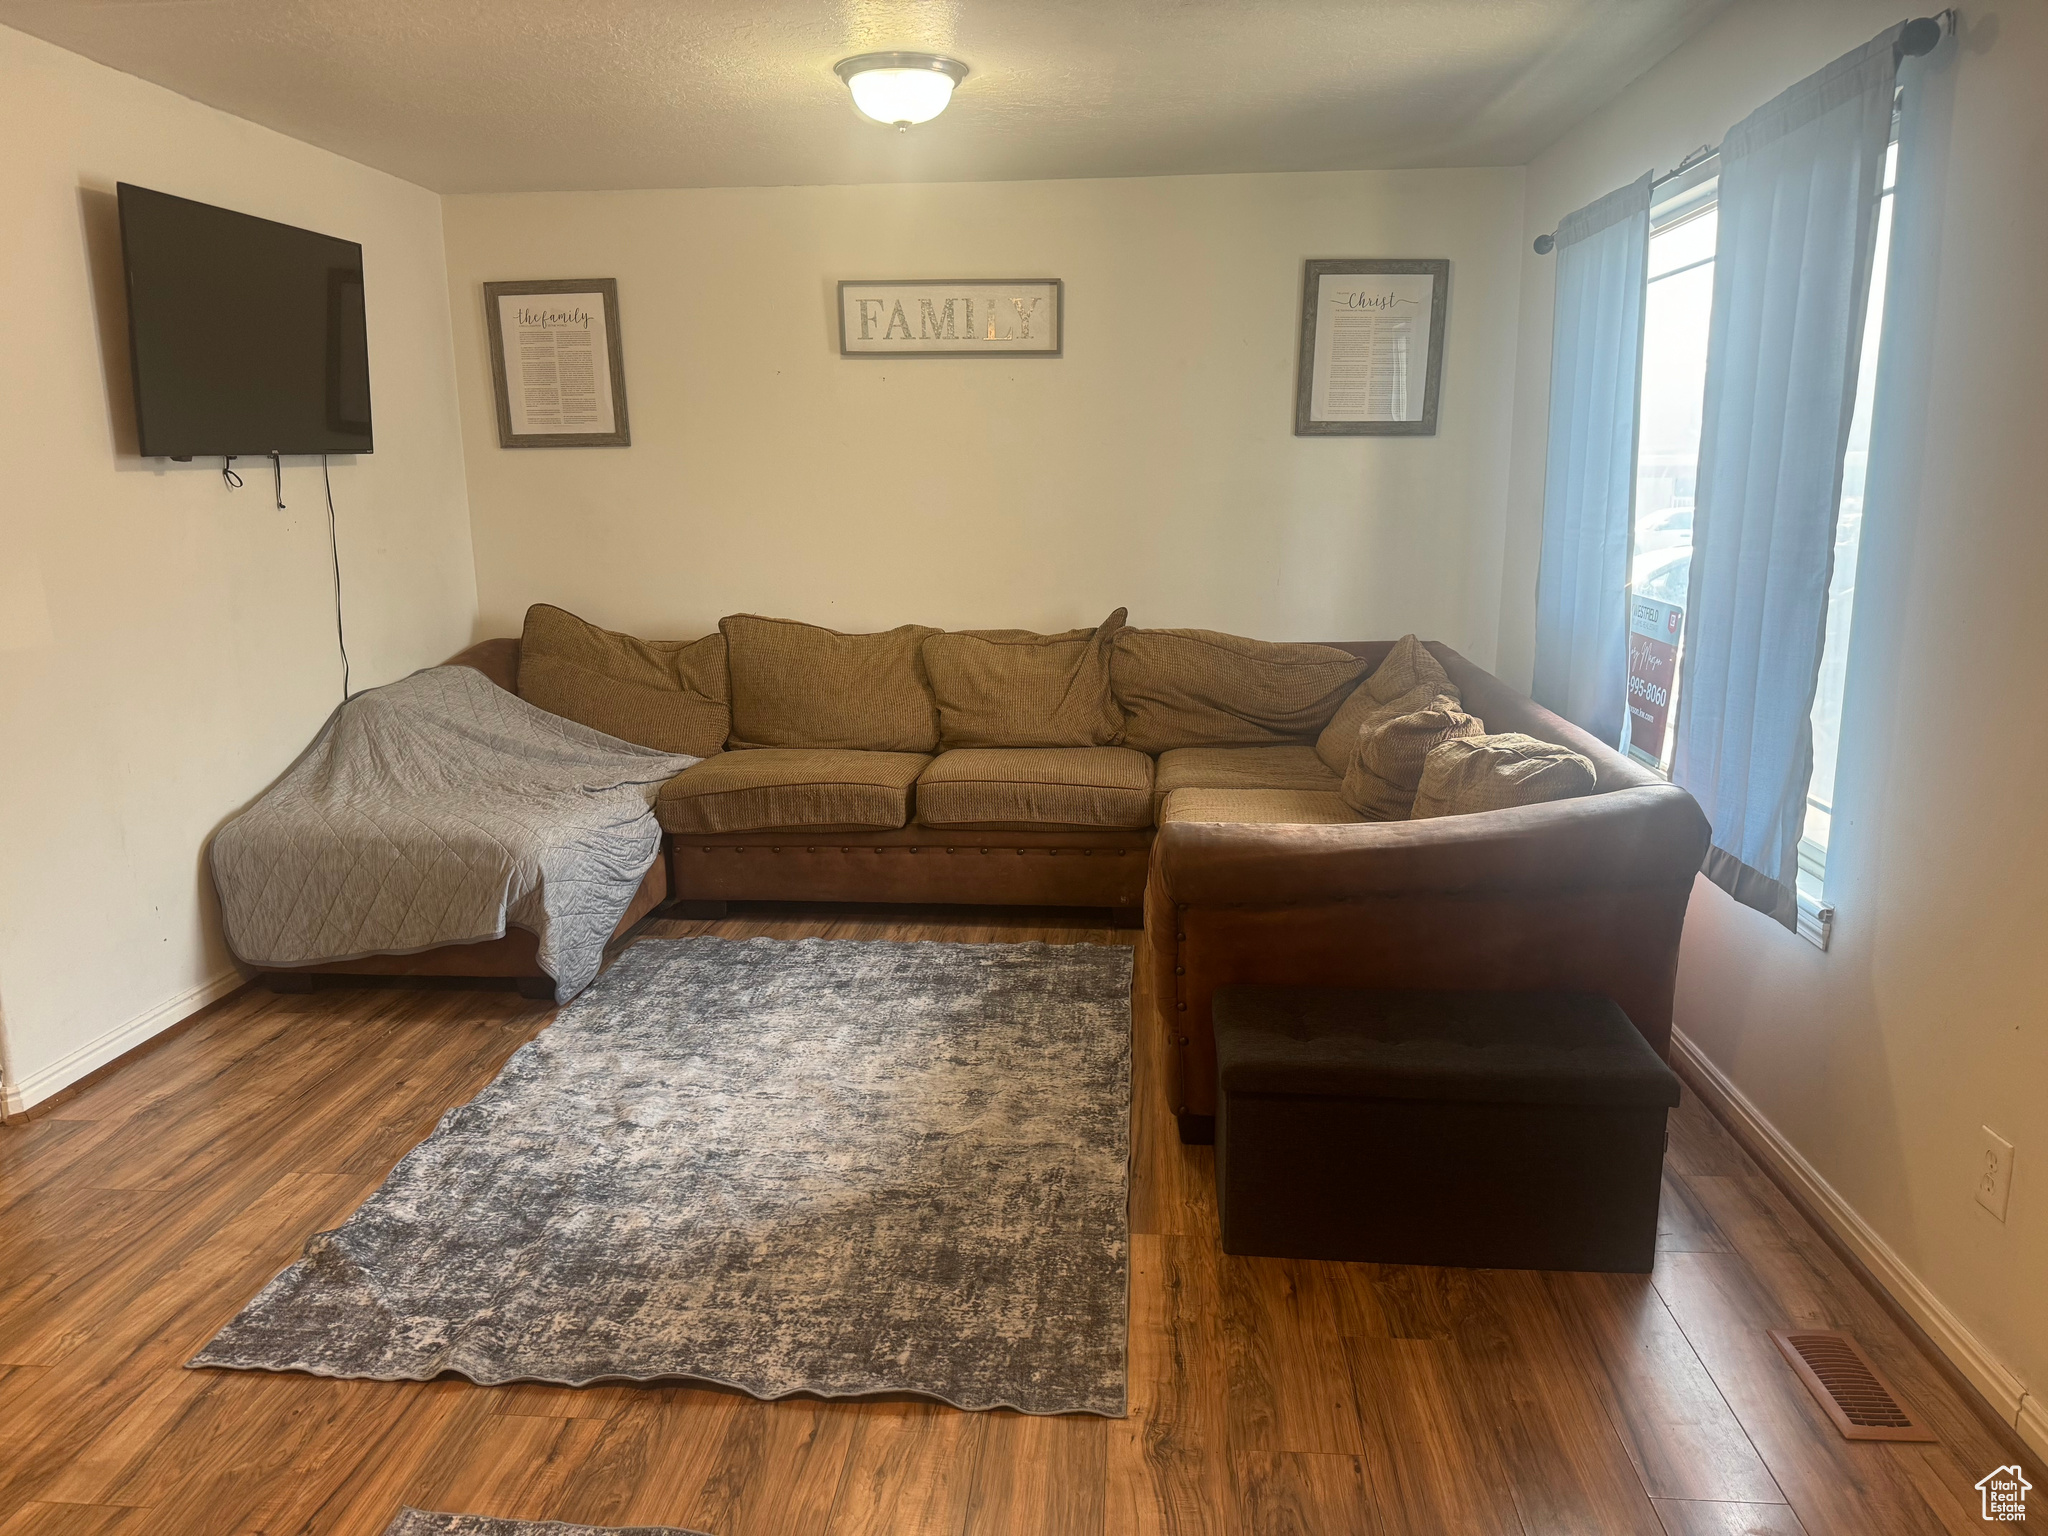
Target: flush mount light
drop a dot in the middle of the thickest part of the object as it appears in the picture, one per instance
(900, 88)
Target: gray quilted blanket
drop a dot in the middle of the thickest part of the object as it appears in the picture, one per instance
(435, 811)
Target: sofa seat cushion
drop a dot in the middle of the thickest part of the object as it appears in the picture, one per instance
(1259, 807)
(802, 685)
(668, 694)
(1289, 767)
(824, 790)
(1199, 687)
(1013, 787)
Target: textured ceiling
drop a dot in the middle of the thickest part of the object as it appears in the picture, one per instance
(518, 95)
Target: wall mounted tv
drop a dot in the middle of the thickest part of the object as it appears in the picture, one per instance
(246, 337)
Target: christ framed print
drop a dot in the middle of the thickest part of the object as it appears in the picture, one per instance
(1372, 347)
(555, 363)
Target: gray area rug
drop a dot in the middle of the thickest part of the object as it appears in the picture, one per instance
(831, 1166)
(420, 1522)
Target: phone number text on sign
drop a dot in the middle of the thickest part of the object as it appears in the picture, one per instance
(1653, 631)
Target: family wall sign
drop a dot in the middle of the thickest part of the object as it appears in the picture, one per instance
(957, 317)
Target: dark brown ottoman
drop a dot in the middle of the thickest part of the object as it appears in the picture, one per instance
(1488, 1130)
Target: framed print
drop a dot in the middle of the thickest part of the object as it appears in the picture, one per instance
(1372, 347)
(953, 317)
(555, 363)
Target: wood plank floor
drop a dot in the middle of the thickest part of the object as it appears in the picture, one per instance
(1267, 1396)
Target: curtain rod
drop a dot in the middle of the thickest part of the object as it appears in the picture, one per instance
(1916, 38)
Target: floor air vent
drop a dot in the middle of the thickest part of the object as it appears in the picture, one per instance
(1845, 1383)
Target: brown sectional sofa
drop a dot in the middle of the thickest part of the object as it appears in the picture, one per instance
(1226, 832)
(1579, 895)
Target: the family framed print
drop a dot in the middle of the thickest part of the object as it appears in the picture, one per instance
(555, 363)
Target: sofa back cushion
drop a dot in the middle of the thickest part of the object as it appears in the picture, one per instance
(1386, 767)
(668, 694)
(1407, 680)
(1199, 688)
(1013, 688)
(1497, 773)
(802, 685)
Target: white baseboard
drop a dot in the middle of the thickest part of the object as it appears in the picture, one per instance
(2033, 1423)
(2006, 1393)
(94, 1054)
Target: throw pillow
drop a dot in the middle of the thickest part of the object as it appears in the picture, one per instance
(1386, 768)
(1496, 773)
(1014, 688)
(1199, 688)
(667, 694)
(1406, 681)
(802, 685)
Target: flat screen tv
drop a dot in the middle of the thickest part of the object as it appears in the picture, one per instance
(247, 337)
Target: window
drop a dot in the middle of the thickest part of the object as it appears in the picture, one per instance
(1678, 305)
(1834, 656)
(1675, 313)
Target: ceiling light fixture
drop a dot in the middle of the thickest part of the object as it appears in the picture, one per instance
(900, 88)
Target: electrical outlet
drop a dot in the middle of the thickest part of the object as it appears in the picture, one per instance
(1994, 1173)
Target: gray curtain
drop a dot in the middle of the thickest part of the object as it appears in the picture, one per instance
(1800, 180)
(1596, 364)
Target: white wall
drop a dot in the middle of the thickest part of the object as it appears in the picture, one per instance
(1879, 1060)
(1153, 465)
(166, 647)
